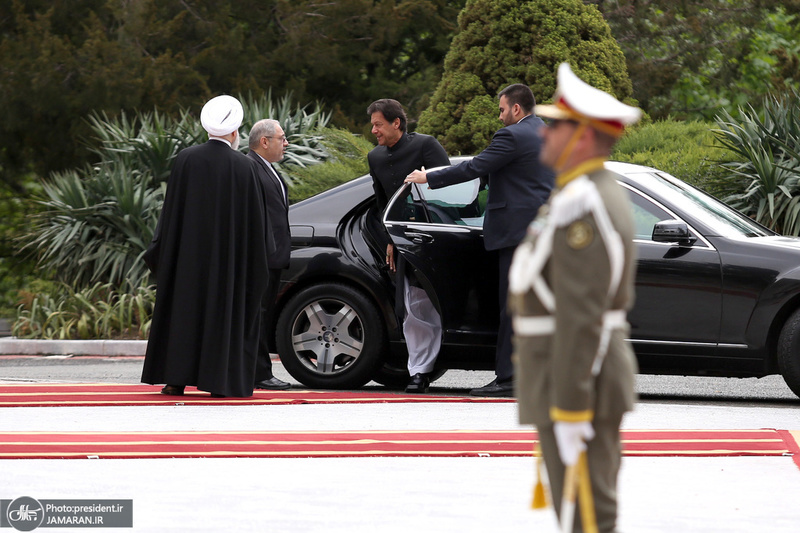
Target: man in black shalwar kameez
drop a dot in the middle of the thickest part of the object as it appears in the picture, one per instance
(209, 258)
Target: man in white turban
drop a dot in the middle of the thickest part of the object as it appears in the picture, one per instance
(221, 118)
(209, 258)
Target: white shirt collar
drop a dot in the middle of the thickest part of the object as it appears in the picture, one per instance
(220, 139)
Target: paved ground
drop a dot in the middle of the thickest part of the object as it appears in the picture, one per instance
(737, 494)
(709, 495)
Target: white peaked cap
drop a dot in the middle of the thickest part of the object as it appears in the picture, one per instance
(577, 100)
(221, 115)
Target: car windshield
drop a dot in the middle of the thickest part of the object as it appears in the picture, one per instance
(722, 219)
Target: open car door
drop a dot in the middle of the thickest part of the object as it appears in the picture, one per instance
(439, 232)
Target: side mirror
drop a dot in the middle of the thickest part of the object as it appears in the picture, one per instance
(673, 231)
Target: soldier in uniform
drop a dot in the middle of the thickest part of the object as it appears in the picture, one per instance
(570, 286)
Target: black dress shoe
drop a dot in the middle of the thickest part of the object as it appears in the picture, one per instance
(173, 390)
(495, 388)
(419, 384)
(217, 395)
(273, 383)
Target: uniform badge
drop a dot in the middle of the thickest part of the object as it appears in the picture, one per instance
(579, 235)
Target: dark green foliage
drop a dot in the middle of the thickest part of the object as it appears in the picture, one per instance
(763, 180)
(97, 221)
(349, 53)
(687, 150)
(60, 60)
(348, 161)
(15, 268)
(500, 42)
(689, 59)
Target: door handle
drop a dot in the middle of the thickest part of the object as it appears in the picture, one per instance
(417, 237)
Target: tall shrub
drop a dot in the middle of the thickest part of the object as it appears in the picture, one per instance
(500, 42)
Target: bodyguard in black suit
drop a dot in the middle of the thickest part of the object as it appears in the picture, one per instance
(518, 185)
(267, 145)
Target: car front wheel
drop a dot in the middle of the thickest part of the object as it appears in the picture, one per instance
(331, 336)
(789, 352)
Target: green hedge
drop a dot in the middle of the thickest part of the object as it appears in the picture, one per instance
(687, 150)
(348, 161)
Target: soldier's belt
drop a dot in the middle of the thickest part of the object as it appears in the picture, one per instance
(539, 326)
(534, 326)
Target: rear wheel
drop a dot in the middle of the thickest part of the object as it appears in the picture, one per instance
(331, 336)
(789, 352)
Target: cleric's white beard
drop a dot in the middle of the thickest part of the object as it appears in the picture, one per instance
(235, 143)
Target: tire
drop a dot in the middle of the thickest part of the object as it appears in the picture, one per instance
(789, 352)
(331, 336)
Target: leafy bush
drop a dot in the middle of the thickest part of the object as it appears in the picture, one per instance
(57, 311)
(96, 225)
(348, 161)
(148, 142)
(764, 179)
(687, 150)
(97, 221)
(306, 146)
(15, 269)
(500, 42)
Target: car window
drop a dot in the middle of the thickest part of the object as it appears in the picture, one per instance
(645, 216)
(406, 207)
(722, 219)
(462, 204)
(648, 212)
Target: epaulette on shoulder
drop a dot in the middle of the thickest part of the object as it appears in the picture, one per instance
(579, 197)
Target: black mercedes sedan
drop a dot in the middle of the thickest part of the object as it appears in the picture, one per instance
(716, 293)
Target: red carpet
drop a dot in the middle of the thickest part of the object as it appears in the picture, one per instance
(104, 394)
(110, 445)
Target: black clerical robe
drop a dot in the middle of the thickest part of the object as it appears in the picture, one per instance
(209, 257)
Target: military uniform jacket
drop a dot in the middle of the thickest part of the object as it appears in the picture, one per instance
(571, 284)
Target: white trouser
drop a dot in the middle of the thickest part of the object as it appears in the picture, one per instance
(422, 328)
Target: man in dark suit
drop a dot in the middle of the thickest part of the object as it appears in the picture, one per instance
(267, 145)
(398, 153)
(518, 185)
